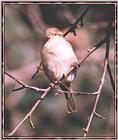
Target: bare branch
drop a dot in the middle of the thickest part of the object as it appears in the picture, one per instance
(24, 85)
(97, 98)
(76, 93)
(27, 69)
(98, 115)
(18, 81)
(20, 88)
(74, 25)
(31, 123)
(108, 33)
(102, 79)
(38, 68)
(31, 111)
(110, 76)
(98, 45)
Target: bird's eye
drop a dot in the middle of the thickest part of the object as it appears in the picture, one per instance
(55, 34)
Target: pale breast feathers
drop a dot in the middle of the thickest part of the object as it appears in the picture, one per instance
(59, 55)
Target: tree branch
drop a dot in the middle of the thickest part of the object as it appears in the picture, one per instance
(97, 98)
(108, 33)
(110, 76)
(31, 111)
(98, 115)
(24, 85)
(98, 45)
(76, 93)
(31, 123)
(74, 25)
(38, 68)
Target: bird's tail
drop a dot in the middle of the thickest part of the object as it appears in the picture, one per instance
(70, 103)
(69, 97)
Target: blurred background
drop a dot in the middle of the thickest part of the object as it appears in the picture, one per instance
(24, 35)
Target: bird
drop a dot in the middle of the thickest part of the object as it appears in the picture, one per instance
(57, 58)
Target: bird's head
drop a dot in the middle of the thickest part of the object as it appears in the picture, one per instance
(51, 32)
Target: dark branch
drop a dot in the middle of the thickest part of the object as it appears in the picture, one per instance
(38, 68)
(110, 76)
(108, 33)
(20, 88)
(74, 25)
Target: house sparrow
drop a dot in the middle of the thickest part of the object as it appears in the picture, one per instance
(57, 58)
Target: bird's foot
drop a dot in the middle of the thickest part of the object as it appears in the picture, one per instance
(75, 65)
(52, 85)
(58, 93)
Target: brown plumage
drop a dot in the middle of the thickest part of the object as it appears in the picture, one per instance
(57, 58)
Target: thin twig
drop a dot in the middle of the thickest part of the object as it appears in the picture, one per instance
(74, 25)
(18, 81)
(38, 68)
(98, 115)
(31, 111)
(76, 93)
(108, 33)
(110, 76)
(24, 85)
(98, 45)
(16, 89)
(97, 98)
(102, 79)
(31, 123)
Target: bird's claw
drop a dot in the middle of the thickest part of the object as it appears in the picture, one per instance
(75, 65)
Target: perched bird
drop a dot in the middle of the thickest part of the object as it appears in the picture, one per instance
(57, 58)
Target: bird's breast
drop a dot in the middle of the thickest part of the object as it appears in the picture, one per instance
(59, 47)
(58, 57)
